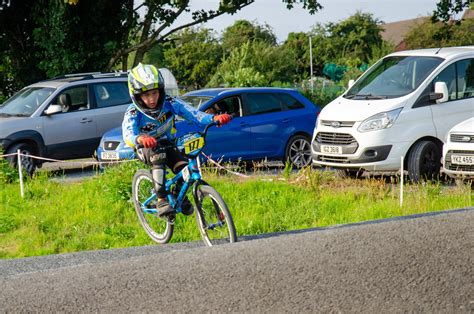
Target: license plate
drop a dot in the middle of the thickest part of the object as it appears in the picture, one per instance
(462, 159)
(109, 155)
(331, 149)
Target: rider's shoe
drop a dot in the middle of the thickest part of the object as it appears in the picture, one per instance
(186, 207)
(163, 207)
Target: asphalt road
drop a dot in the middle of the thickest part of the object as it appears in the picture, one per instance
(414, 264)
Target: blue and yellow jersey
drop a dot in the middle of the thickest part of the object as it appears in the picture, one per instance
(136, 123)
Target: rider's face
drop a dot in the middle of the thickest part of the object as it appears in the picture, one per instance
(150, 98)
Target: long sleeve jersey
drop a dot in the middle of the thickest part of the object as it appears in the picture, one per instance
(136, 123)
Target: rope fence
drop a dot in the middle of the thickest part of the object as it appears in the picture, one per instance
(89, 163)
(218, 165)
(67, 161)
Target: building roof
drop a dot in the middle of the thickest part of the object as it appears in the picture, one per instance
(396, 31)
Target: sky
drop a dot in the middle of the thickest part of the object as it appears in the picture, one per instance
(284, 21)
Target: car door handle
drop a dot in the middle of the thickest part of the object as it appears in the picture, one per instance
(86, 120)
(286, 120)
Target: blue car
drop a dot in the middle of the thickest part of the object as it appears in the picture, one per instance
(268, 123)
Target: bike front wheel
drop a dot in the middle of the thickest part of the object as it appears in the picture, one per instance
(158, 229)
(213, 217)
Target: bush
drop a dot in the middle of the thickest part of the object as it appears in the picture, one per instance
(8, 174)
(324, 91)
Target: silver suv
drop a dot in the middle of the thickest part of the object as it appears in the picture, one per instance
(64, 117)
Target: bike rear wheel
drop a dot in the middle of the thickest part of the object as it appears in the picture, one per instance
(158, 229)
(213, 217)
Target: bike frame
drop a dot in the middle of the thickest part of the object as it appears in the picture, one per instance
(190, 175)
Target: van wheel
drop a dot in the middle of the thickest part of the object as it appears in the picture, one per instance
(28, 163)
(424, 161)
(298, 151)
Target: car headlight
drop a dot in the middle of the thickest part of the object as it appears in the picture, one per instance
(382, 120)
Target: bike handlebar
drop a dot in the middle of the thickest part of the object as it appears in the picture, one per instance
(204, 133)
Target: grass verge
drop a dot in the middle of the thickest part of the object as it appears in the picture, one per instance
(57, 217)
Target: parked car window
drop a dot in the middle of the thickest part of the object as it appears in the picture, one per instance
(25, 102)
(72, 99)
(290, 102)
(111, 94)
(465, 79)
(448, 76)
(258, 103)
(195, 101)
(230, 105)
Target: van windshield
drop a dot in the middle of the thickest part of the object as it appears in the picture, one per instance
(393, 77)
(25, 102)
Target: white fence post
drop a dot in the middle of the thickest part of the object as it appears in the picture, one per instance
(20, 172)
(311, 64)
(401, 181)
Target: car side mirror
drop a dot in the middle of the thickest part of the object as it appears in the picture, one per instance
(440, 94)
(351, 82)
(52, 109)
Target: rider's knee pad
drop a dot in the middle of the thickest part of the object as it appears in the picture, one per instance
(158, 157)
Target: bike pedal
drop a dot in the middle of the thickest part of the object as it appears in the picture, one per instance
(171, 219)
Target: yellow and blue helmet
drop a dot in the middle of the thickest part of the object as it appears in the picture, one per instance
(142, 78)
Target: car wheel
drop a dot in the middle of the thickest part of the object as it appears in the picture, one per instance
(27, 162)
(298, 151)
(424, 161)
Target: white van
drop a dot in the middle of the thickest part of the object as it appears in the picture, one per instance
(403, 105)
(458, 151)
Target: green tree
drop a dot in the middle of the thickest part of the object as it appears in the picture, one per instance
(44, 38)
(351, 42)
(297, 47)
(425, 35)
(193, 56)
(78, 38)
(353, 39)
(243, 31)
(18, 62)
(41, 38)
(446, 12)
(158, 24)
(254, 64)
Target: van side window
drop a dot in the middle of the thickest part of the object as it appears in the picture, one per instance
(465, 78)
(459, 78)
(448, 76)
(258, 103)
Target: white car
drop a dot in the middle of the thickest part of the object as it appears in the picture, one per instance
(458, 152)
(403, 106)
